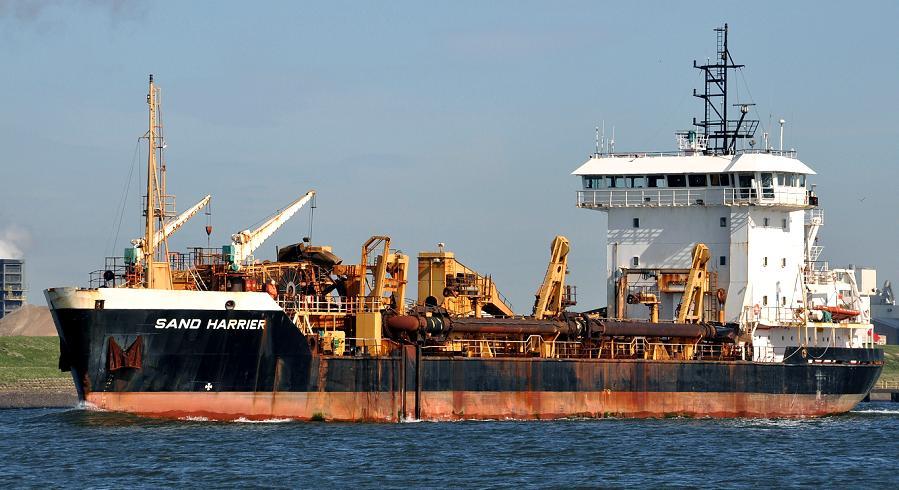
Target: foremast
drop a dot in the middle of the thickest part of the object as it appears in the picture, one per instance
(158, 273)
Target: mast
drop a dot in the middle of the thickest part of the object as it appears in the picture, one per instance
(158, 273)
(720, 132)
(150, 249)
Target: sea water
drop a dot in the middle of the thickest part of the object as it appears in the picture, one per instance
(85, 448)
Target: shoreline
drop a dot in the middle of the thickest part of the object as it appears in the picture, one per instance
(38, 393)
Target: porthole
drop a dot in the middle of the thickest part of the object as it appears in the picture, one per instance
(229, 305)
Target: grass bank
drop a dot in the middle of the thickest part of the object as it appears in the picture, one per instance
(29, 358)
(891, 364)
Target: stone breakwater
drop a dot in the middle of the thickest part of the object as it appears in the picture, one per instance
(38, 393)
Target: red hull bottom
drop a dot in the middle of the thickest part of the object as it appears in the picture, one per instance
(469, 405)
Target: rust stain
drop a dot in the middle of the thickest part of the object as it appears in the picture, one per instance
(457, 405)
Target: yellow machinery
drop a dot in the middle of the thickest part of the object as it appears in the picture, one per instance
(443, 281)
(550, 295)
(652, 301)
(369, 282)
(690, 309)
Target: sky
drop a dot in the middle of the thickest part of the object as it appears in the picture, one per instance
(456, 122)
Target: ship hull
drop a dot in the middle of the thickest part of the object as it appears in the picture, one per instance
(469, 405)
(137, 360)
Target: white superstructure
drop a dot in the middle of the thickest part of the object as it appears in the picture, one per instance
(754, 209)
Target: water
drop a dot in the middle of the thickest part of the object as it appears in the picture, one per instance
(73, 447)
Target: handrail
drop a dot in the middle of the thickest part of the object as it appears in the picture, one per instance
(689, 152)
(666, 196)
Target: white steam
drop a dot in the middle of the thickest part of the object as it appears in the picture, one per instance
(13, 241)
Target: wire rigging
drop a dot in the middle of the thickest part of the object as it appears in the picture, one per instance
(123, 200)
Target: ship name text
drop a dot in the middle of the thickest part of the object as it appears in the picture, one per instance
(212, 324)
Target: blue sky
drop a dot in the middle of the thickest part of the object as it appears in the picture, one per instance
(454, 122)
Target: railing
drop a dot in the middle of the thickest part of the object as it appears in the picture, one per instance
(355, 346)
(818, 272)
(315, 305)
(727, 196)
(687, 151)
(775, 315)
(814, 216)
(884, 384)
(635, 348)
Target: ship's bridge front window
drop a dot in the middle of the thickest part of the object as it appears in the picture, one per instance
(747, 184)
(719, 180)
(594, 182)
(697, 180)
(767, 185)
(636, 182)
(656, 181)
(677, 180)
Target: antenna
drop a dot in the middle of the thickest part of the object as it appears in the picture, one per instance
(311, 216)
(596, 150)
(781, 134)
(720, 132)
(603, 141)
(612, 141)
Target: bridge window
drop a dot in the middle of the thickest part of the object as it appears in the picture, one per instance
(594, 182)
(656, 181)
(722, 260)
(677, 180)
(767, 185)
(764, 300)
(697, 180)
(636, 222)
(720, 180)
(801, 180)
(635, 261)
(723, 222)
(636, 182)
(781, 179)
(620, 182)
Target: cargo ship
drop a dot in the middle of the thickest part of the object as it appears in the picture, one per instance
(718, 306)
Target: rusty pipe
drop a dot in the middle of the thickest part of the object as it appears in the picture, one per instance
(614, 328)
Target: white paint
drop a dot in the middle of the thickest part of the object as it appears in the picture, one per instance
(693, 164)
(158, 299)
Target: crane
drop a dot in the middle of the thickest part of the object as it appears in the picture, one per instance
(136, 254)
(550, 300)
(244, 243)
(697, 283)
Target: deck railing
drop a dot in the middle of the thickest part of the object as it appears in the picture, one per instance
(723, 196)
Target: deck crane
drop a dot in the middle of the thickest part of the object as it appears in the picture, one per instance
(243, 244)
(135, 255)
(550, 299)
(690, 308)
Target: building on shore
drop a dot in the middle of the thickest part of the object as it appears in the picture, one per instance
(12, 285)
(885, 314)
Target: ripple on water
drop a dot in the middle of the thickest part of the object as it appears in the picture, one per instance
(81, 447)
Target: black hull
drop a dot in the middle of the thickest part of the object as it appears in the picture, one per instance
(277, 362)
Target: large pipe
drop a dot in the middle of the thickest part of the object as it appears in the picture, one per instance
(511, 326)
(521, 326)
(614, 328)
